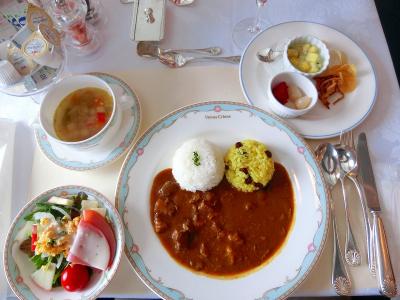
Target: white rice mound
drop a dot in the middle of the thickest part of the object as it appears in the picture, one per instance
(204, 176)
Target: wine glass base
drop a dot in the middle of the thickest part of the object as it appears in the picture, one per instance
(245, 30)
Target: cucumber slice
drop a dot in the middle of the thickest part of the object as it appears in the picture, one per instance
(44, 276)
(88, 204)
(61, 201)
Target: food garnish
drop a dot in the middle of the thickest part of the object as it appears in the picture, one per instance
(196, 158)
(335, 82)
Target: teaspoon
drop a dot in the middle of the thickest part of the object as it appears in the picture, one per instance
(182, 2)
(177, 60)
(352, 254)
(267, 55)
(327, 157)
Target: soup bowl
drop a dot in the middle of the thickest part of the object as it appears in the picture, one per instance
(65, 87)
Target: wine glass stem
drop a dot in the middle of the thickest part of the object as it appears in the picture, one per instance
(256, 25)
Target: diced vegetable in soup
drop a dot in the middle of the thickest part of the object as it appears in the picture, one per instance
(82, 114)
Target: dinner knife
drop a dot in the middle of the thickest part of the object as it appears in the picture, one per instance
(386, 280)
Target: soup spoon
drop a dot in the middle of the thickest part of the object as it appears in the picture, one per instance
(327, 157)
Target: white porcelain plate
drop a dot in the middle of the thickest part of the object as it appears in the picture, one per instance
(99, 155)
(223, 123)
(320, 122)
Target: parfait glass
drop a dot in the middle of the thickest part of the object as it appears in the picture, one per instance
(246, 29)
(70, 17)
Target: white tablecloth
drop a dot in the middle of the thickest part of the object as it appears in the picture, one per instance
(210, 22)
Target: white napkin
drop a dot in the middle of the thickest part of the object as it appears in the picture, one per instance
(7, 136)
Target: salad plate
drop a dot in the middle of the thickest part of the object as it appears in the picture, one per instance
(27, 268)
(223, 124)
(101, 154)
(320, 122)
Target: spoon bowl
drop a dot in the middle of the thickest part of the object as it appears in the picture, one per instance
(347, 159)
(267, 55)
(328, 157)
(182, 2)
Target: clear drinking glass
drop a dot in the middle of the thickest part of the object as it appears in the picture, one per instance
(246, 29)
(70, 17)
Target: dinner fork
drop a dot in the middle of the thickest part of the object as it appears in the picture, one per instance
(348, 140)
(348, 162)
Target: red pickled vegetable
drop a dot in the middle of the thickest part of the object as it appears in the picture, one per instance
(101, 117)
(280, 92)
(34, 237)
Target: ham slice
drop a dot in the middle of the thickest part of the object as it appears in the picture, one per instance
(90, 247)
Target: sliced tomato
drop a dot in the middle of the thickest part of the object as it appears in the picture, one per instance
(34, 237)
(100, 222)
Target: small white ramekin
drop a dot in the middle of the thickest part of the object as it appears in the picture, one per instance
(291, 78)
(323, 51)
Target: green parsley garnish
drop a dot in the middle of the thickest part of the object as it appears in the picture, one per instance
(196, 159)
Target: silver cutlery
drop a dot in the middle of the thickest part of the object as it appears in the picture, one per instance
(328, 159)
(177, 60)
(151, 49)
(267, 55)
(182, 2)
(351, 251)
(350, 164)
(384, 270)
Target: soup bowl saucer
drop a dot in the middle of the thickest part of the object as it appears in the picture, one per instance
(105, 151)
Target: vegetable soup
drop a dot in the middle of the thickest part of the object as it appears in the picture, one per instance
(82, 114)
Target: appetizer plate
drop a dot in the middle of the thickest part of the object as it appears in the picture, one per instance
(18, 268)
(222, 123)
(99, 155)
(320, 122)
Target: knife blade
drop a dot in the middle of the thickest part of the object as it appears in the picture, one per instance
(367, 174)
(386, 279)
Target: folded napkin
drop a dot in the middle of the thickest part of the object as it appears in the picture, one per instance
(7, 136)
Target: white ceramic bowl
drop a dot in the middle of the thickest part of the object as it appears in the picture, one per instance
(323, 52)
(299, 80)
(63, 88)
(18, 268)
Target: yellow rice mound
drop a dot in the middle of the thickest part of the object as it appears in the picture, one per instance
(248, 165)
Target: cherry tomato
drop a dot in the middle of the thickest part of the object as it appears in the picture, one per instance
(75, 277)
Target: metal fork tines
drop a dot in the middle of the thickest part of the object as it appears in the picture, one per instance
(350, 166)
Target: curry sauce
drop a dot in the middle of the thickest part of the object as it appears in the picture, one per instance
(223, 231)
